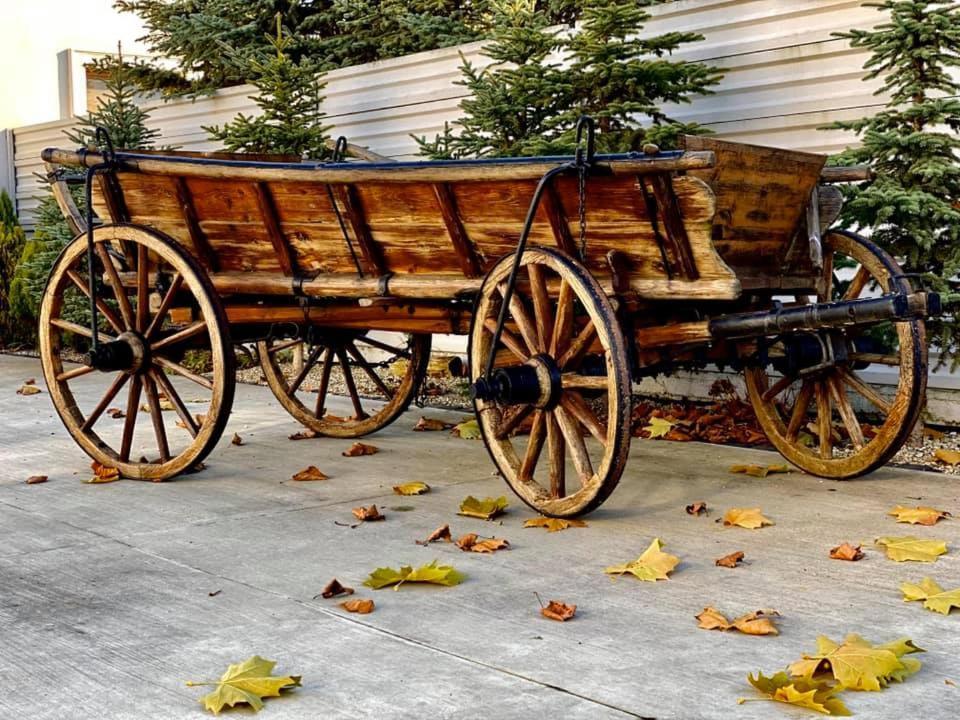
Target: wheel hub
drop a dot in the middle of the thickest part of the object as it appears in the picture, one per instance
(536, 382)
(129, 353)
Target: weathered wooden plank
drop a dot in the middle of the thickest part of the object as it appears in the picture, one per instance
(352, 209)
(469, 262)
(559, 223)
(271, 224)
(674, 233)
(201, 246)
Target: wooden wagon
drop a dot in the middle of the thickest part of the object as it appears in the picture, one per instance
(573, 277)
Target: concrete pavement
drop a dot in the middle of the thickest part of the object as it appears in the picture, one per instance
(106, 604)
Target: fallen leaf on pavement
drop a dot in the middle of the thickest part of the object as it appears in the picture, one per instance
(310, 473)
(426, 424)
(556, 610)
(760, 471)
(903, 549)
(731, 560)
(36, 479)
(659, 427)
(441, 533)
(846, 551)
(303, 435)
(102, 473)
(935, 597)
(651, 566)
(750, 518)
(28, 390)
(950, 457)
(432, 573)
(758, 622)
(118, 414)
(919, 515)
(334, 588)
(471, 542)
(411, 488)
(358, 449)
(247, 682)
(368, 514)
(554, 524)
(697, 508)
(816, 695)
(857, 664)
(468, 430)
(236, 440)
(485, 509)
(361, 606)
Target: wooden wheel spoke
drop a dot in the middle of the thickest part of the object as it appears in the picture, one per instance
(156, 415)
(854, 381)
(511, 341)
(74, 373)
(583, 382)
(575, 405)
(305, 370)
(799, 412)
(878, 358)
(578, 347)
(857, 284)
(543, 315)
(188, 332)
(359, 413)
(824, 419)
(165, 306)
(174, 397)
(273, 349)
(521, 317)
(578, 448)
(182, 371)
(130, 421)
(563, 324)
(143, 288)
(115, 386)
(365, 366)
(324, 383)
(78, 329)
(557, 451)
(847, 414)
(118, 290)
(102, 306)
(778, 387)
(514, 416)
(538, 433)
(385, 347)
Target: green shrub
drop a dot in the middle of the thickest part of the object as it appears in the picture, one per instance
(12, 242)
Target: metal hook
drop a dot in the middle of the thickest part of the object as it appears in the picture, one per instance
(340, 149)
(585, 123)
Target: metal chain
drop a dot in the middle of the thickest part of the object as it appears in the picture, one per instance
(582, 184)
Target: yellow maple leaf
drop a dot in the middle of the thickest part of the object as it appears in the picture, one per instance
(950, 457)
(554, 524)
(935, 597)
(651, 566)
(468, 429)
(659, 427)
(920, 515)
(750, 518)
(857, 664)
(811, 694)
(485, 509)
(431, 573)
(247, 682)
(759, 622)
(760, 471)
(411, 488)
(903, 549)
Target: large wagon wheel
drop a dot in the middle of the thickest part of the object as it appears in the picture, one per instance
(561, 330)
(143, 276)
(781, 402)
(365, 364)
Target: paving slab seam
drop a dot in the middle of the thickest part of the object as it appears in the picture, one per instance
(388, 633)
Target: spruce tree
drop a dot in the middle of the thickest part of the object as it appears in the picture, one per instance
(289, 95)
(912, 204)
(12, 241)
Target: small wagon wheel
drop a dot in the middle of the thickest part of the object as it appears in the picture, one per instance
(388, 369)
(143, 277)
(782, 402)
(561, 330)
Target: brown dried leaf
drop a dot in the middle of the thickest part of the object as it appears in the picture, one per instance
(362, 606)
(368, 514)
(334, 588)
(102, 473)
(302, 435)
(556, 610)
(36, 479)
(310, 473)
(29, 390)
(933, 434)
(30, 381)
(846, 551)
(758, 622)
(554, 524)
(359, 448)
(236, 440)
(697, 508)
(426, 424)
(471, 542)
(441, 533)
(118, 414)
(731, 560)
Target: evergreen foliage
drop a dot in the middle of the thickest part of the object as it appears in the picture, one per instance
(12, 241)
(912, 206)
(527, 103)
(290, 95)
